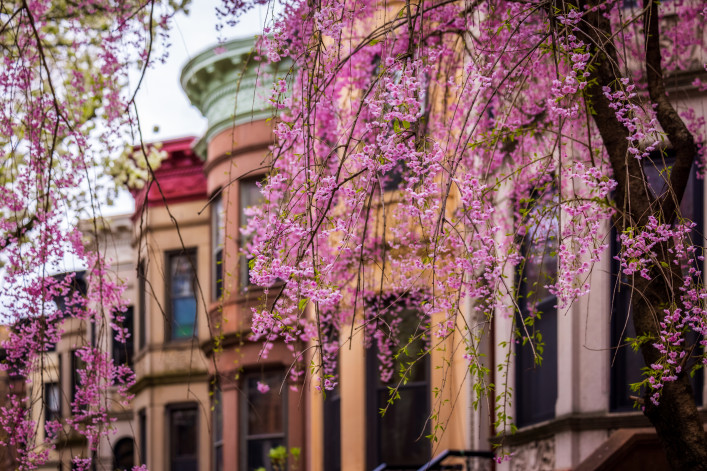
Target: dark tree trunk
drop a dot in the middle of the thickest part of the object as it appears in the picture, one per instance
(676, 419)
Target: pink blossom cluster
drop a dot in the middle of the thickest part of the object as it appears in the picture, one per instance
(396, 151)
(59, 79)
(419, 149)
(637, 254)
(586, 215)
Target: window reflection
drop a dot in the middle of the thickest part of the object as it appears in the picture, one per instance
(264, 427)
(250, 196)
(218, 231)
(183, 298)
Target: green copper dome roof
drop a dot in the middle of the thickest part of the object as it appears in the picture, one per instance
(230, 87)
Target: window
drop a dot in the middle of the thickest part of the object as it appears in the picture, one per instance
(536, 371)
(182, 298)
(77, 364)
(250, 196)
(217, 424)
(123, 452)
(394, 438)
(142, 429)
(332, 430)
(263, 423)
(123, 352)
(626, 364)
(52, 402)
(218, 231)
(183, 438)
(141, 294)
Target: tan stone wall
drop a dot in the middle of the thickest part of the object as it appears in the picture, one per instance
(172, 372)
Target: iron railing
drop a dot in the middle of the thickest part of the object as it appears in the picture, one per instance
(449, 460)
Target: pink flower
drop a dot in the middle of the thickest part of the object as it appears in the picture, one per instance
(263, 388)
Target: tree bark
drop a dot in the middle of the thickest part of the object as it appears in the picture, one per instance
(676, 419)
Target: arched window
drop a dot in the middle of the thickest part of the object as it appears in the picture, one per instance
(123, 454)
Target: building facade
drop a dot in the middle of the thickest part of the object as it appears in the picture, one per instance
(172, 423)
(53, 387)
(344, 430)
(575, 411)
(207, 398)
(249, 423)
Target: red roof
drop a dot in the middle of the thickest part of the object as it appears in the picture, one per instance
(179, 178)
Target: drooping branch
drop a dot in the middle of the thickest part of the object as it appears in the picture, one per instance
(632, 195)
(682, 141)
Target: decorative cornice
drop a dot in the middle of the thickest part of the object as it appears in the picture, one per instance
(168, 379)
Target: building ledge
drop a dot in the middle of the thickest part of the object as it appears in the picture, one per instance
(169, 379)
(582, 422)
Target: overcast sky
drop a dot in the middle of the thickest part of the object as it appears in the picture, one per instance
(161, 101)
(163, 107)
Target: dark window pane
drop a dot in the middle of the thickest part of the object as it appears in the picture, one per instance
(218, 231)
(123, 352)
(142, 424)
(250, 196)
(218, 273)
(402, 441)
(218, 416)
(183, 439)
(625, 363)
(265, 414)
(77, 364)
(52, 399)
(536, 389)
(142, 312)
(123, 455)
(536, 365)
(184, 430)
(540, 252)
(264, 421)
(332, 430)
(218, 458)
(258, 451)
(217, 430)
(393, 438)
(410, 347)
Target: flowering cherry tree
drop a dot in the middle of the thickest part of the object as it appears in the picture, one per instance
(64, 108)
(421, 147)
